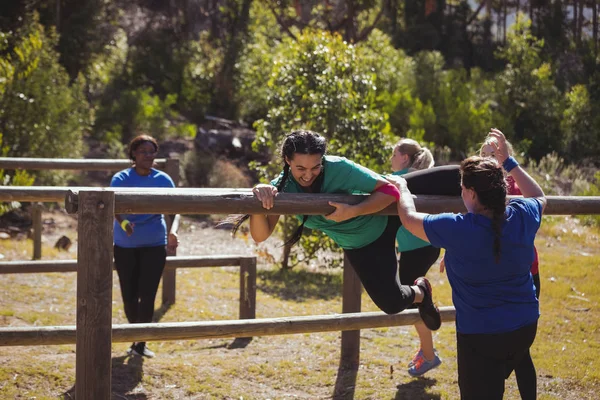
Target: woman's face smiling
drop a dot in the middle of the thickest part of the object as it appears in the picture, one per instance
(305, 168)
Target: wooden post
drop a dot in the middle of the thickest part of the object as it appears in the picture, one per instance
(351, 293)
(36, 216)
(94, 295)
(248, 288)
(169, 278)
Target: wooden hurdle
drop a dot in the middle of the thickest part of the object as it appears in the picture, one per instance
(93, 333)
(247, 264)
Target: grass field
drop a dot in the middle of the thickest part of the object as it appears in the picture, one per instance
(304, 366)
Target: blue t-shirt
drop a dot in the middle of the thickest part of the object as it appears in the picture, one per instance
(149, 229)
(489, 297)
(343, 176)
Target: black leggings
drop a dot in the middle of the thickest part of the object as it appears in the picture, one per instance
(139, 271)
(485, 361)
(415, 263)
(525, 370)
(377, 264)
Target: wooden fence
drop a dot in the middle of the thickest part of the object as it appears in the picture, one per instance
(93, 334)
(247, 264)
(168, 165)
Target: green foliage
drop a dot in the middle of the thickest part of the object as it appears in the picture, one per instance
(453, 109)
(198, 86)
(527, 94)
(256, 63)
(321, 83)
(592, 190)
(395, 75)
(557, 177)
(140, 111)
(581, 137)
(41, 113)
(20, 178)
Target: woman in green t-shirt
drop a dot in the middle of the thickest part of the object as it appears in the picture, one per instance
(416, 256)
(367, 240)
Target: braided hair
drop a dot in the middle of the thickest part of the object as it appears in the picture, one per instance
(296, 142)
(486, 178)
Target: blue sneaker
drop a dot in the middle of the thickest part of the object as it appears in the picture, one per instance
(419, 354)
(421, 365)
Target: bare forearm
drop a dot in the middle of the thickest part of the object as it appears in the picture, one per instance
(262, 226)
(377, 201)
(411, 219)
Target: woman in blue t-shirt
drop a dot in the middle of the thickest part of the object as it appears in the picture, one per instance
(489, 251)
(415, 256)
(368, 240)
(141, 240)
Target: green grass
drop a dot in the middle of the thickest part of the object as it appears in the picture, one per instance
(305, 366)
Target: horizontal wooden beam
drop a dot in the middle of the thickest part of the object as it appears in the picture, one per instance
(70, 164)
(54, 335)
(25, 267)
(241, 201)
(52, 194)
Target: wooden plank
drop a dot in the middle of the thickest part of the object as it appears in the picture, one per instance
(241, 201)
(351, 303)
(215, 202)
(36, 216)
(248, 288)
(28, 267)
(89, 164)
(94, 295)
(54, 335)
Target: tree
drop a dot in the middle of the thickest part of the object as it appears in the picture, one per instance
(319, 82)
(41, 113)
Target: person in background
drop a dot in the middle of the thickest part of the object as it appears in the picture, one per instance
(489, 251)
(140, 240)
(525, 370)
(416, 256)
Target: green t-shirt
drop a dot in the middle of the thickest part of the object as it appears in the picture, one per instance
(406, 240)
(343, 176)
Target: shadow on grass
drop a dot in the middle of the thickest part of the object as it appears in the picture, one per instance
(158, 314)
(299, 285)
(345, 383)
(127, 373)
(416, 389)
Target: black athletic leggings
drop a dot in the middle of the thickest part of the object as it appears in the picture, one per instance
(485, 361)
(377, 265)
(139, 271)
(525, 370)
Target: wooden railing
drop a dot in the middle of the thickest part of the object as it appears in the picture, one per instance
(94, 332)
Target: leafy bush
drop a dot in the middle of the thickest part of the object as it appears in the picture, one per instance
(20, 178)
(592, 190)
(321, 83)
(41, 113)
(557, 177)
(139, 110)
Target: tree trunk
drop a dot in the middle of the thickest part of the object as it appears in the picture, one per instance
(285, 256)
(224, 99)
